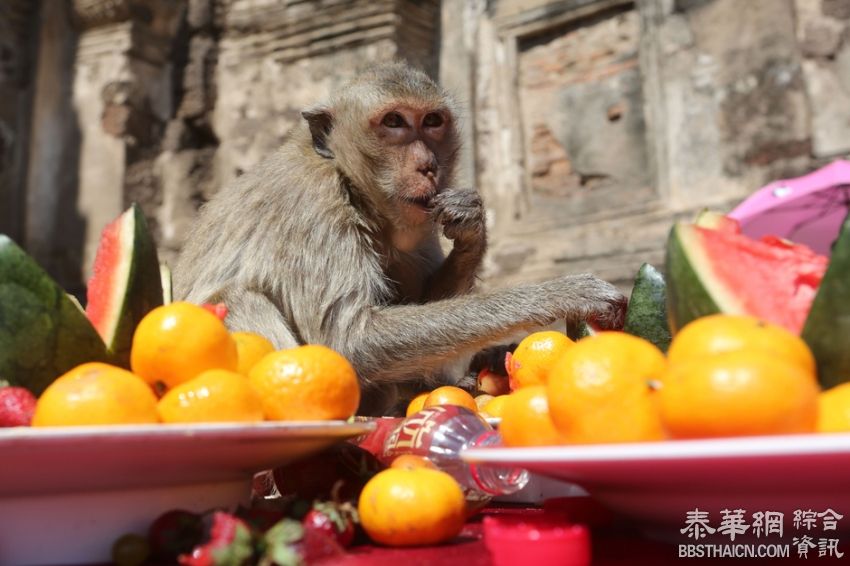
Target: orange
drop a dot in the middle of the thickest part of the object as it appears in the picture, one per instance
(96, 394)
(410, 507)
(834, 409)
(531, 361)
(250, 349)
(495, 407)
(309, 382)
(416, 404)
(176, 342)
(748, 392)
(526, 421)
(482, 400)
(450, 395)
(217, 395)
(411, 461)
(719, 333)
(598, 391)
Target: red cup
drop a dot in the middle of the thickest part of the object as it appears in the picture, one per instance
(547, 539)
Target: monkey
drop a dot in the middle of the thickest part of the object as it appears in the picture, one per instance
(334, 239)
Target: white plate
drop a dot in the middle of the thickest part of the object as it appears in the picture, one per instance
(657, 483)
(88, 485)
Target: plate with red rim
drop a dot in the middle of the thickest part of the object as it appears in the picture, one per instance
(88, 485)
(658, 483)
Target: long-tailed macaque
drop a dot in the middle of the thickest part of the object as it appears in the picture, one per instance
(334, 239)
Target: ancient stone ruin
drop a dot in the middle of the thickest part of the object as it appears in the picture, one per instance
(589, 124)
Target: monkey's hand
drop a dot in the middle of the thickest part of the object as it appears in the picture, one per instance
(588, 298)
(461, 213)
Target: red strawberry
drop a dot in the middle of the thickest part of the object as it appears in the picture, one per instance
(218, 309)
(17, 406)
(230, 544)
(317, 547)
(333, 520)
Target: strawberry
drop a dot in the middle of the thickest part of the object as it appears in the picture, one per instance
(230, 543)
(333, 520)
(17, 406)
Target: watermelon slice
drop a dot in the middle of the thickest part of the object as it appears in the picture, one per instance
(125, 284)
(828, 324)
(646, 315)
(43, 333)
(720, 270)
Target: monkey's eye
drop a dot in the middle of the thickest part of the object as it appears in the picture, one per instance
(432, 120)
(393, 120)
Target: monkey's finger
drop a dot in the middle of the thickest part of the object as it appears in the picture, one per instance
(612, 316)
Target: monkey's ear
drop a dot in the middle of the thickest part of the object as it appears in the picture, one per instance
(320, 122)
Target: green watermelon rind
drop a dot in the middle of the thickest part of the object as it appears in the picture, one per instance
(646, 315)
(691, 291)
(43, 334)
(827, 325)
(143, 291)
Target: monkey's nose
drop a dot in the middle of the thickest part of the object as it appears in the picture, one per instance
(428, 170)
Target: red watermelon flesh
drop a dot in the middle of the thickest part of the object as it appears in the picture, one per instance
(108, 269)
(772, 279)
(125, 283)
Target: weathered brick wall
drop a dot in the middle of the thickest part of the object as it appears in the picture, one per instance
(589, 124)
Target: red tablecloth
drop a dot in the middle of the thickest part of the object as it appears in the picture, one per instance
(617, 545)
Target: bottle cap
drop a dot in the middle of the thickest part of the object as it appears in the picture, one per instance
(542, 539)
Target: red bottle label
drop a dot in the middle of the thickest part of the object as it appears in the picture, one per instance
(415, 434)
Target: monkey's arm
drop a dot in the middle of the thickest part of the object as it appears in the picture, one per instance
(396, 343)
(461, 213)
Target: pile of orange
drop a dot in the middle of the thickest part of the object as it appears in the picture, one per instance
(724, 375)
(186, 367)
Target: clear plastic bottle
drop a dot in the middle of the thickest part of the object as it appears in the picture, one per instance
(440, 433)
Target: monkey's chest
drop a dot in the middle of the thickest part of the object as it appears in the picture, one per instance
(408, 280)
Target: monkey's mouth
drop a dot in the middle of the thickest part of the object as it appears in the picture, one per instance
(423, 202)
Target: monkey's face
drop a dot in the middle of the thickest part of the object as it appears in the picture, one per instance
(416, 144)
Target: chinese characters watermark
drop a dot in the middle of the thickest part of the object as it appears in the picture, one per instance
(737, 533)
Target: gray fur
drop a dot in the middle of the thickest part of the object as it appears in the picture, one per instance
(307, 248)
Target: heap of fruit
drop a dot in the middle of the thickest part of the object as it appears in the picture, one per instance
(757, 347)
(133, 357)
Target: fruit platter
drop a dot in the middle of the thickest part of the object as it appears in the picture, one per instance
(142, 430)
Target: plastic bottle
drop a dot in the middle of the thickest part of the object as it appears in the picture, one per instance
(439, 433)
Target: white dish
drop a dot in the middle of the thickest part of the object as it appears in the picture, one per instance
(658, 483)
(88, 485)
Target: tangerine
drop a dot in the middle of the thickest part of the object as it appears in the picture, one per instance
(532, 360)
(96, 394)
(495, 406)
(250, 349)
(834, 409)
(720, 333)
(409, 507)
(450, 395)
(526, 421)
(175, 343)
(217, 395)
(599, 390)
(416, 404)
(411, 461)
(741, 393)
(482, 400)
(309, 382)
